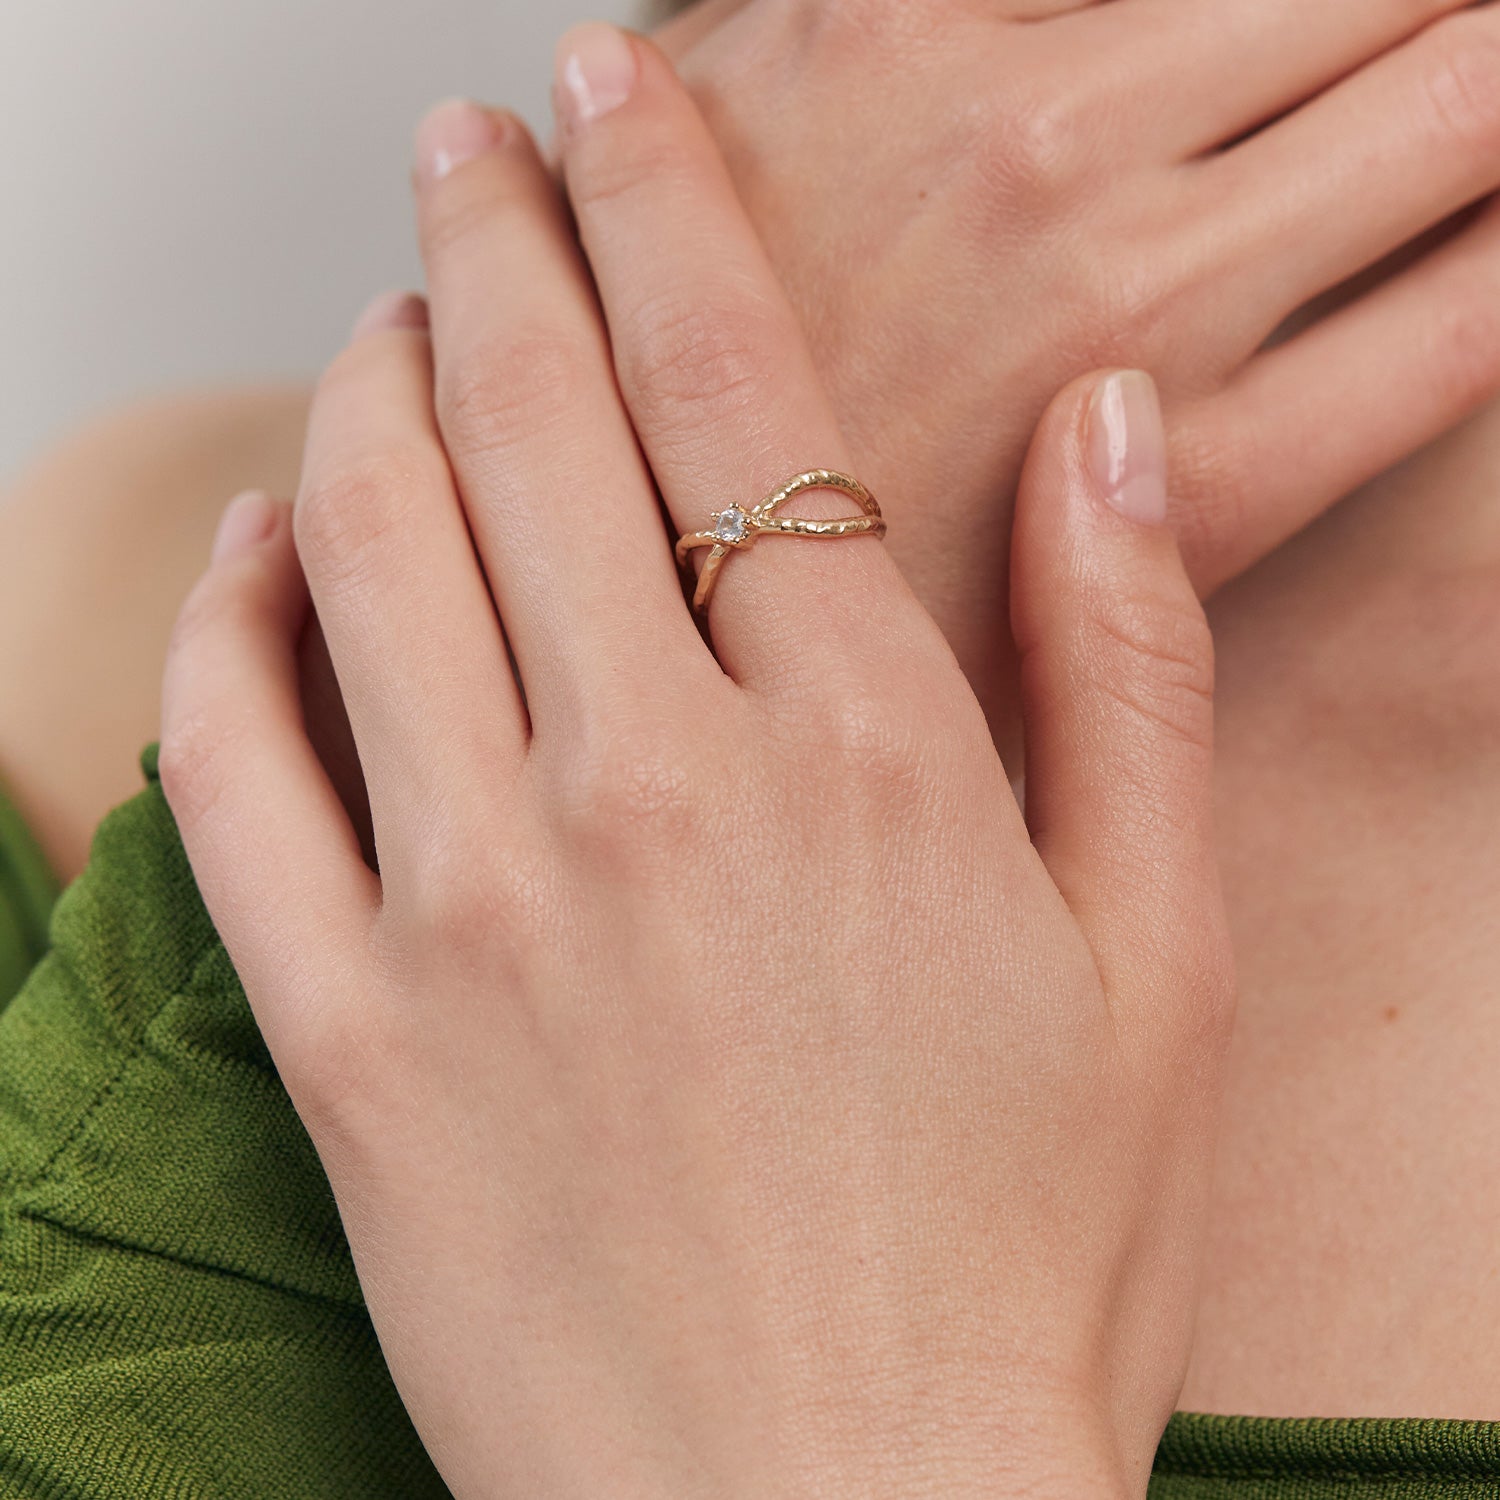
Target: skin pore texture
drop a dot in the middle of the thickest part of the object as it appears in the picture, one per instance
(1351, 1255)
(725, 1001)
(1351, 1250)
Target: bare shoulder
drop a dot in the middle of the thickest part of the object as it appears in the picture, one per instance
(101, 536)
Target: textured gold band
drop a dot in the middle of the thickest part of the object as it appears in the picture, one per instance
(736, 528)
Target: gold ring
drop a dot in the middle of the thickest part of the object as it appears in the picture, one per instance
(737, 528)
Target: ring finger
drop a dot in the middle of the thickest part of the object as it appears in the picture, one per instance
(712, 364)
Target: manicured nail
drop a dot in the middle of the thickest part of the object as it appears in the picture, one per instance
(391, 310)
(1127, 446)
(453, 133)
(249, 520)
(596, 72)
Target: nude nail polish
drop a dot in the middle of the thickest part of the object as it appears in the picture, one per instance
(596, 73)
(1127, 446)
(247, 521)
(391, 310)
(454, 133)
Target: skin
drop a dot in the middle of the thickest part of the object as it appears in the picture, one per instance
(1112, 247)
(1274, 1336)
(1350, 1266)
(658, 1093)
(1116, 244)
(81, 686)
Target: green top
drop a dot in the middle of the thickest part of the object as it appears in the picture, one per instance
(179, 1314)
(27, 892)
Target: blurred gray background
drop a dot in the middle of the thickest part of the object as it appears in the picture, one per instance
(201, 190)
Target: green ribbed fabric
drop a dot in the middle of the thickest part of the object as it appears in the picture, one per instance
(1262, 1458)
(179, 1315)
(27, 894)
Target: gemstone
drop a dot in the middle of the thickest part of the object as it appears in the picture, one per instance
(730, 525)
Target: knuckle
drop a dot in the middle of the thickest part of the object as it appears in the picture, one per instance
(1158, 283)
(470, 903)
(697, 353)
(1154, 656)
(880, 741)
(601, 178)
(1466, 337)
(508, 388)
(1040, 138)
(191, 762)
(196, 738)
(1461, 84)
(1030, 156)
(343, 518)
(633, 794)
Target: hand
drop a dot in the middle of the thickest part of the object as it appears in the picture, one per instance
(722, 1091)
(972, 203)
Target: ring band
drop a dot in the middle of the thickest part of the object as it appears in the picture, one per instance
(736, 528)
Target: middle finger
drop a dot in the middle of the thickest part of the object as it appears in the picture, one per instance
(563, 509)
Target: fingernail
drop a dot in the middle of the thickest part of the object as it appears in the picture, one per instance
(1127, 446)
(391, 310)
(596, 72)
(247, 521)
(453, 133)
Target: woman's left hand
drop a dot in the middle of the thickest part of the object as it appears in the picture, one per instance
(724, 1091)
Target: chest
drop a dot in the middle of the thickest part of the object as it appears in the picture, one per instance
(1354, 1256)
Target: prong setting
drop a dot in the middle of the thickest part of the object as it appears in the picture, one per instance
(731, 526)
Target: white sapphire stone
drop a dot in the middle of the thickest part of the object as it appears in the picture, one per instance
(730, 525)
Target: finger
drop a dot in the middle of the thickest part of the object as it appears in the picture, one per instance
(1310, 420)
(1227, 66)
(328, 729)
(1117, 670)
(272, 850)
(563, 510)
(411, 629)
(1402, 145)
(713, 367)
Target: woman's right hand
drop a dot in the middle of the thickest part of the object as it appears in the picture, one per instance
(972, 203)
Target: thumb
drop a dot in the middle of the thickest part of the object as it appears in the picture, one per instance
(1117, 689)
